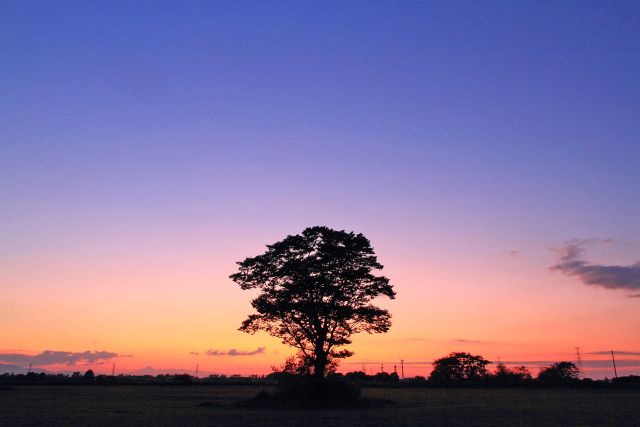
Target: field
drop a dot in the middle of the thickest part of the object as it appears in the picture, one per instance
(183, 406)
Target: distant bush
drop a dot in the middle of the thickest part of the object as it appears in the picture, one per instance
(183, 378)
(631, 379)
(559, 371)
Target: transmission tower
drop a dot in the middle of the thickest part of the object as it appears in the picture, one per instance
(580, 367)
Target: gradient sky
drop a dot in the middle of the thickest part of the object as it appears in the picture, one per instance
(489, 150)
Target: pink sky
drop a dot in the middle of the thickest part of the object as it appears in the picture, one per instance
(496, 305)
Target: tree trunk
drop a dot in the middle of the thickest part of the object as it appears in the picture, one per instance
(319, 364)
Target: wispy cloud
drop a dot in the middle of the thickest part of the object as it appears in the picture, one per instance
(234, 352)
(621, 353)
(572, 263)
(588, 364)
(463, 341)
(634, 296)
(607, 363)
(512, 254)
(49, 357)
(407, 363)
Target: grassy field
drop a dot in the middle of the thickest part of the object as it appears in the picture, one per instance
(181, 406)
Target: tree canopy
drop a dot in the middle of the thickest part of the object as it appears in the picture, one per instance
(316, 290)
(458, 366)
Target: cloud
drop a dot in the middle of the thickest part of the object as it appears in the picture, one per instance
(49, 357)
(634, 296)
(453, 340)
(234, 352)
(195, 353)
(377, 363)
(572, 263)
(617, 353)
(607, 363)
(512, 254)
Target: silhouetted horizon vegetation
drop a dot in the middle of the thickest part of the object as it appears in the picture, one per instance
(502, 376)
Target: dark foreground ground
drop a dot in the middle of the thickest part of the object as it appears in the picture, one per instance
(211, 406)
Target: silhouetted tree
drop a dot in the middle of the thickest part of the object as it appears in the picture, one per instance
(89, 375)
(458, 366)
(559, 371)
(316, 290)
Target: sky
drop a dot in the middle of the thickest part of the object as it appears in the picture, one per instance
(488, 150)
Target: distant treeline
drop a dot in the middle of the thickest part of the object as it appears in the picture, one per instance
(457, 369)
(89, 378)
(381, 379)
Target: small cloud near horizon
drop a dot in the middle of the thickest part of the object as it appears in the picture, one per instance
(234, 352)
(572, 263)
(49, 357)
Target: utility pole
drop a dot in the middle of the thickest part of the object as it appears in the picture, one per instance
(402, 365)
(615, 371)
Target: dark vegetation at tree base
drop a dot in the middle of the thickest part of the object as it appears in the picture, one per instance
(313, 392)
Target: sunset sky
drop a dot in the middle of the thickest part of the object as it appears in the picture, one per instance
(490, 151)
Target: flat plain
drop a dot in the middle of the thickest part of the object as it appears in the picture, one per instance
(212, 405)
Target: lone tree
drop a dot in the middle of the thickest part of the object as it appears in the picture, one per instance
(459, 366)
(316, 290)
